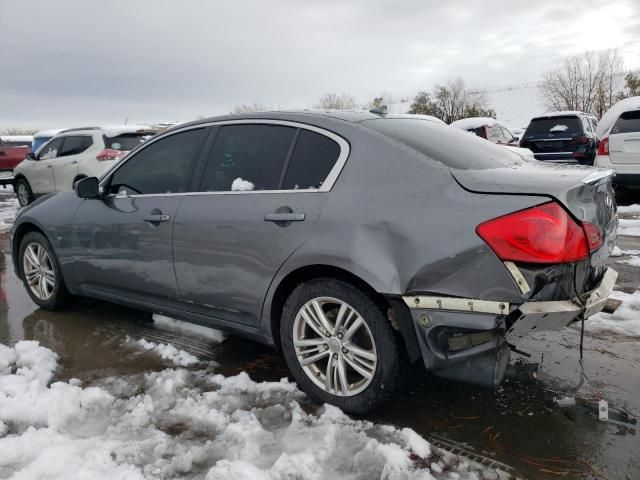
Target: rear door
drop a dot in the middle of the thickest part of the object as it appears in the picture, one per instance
(624, 139)
(65, 168)
(262, 189)
(123, 241)
(40, 173)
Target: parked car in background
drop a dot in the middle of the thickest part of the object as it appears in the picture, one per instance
(620, 143)
(562, 137)
(13, 149)
(492, 130)
(74, 154)
(42, 137)
(355, 242)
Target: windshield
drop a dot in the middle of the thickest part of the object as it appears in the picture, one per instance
(126, 142)
(38, 142)
(554, 125)
(450, 146)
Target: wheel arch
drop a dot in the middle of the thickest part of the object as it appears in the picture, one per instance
(18, 235)
(397, 312)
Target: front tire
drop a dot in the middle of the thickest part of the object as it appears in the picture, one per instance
(23, 192)
(41, 273)
(339, 345)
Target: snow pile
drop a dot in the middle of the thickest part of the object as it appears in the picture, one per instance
(625, 320)
(167, 351)
(182, 423)
(629, 226)
(240, 185)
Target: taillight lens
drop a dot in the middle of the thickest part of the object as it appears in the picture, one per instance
(603, 147)
(542, 234)
(579, 141)
(110, 154)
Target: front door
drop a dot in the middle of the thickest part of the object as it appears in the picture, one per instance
(40, 174)
(123, 241)
(261, 195)
(65, 167)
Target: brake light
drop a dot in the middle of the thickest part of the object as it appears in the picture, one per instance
(579, 141)
(603, 148)
(110, 154)
(542, 234)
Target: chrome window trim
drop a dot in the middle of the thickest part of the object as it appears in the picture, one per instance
(327, 185)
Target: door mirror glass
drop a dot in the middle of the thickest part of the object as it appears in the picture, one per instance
(88, 188)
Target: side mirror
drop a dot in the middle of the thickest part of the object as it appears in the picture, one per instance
(31, 156)
(88, 188)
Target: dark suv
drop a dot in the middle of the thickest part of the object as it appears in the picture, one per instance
(563, 137)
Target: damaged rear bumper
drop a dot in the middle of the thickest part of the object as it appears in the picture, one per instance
(466, 339)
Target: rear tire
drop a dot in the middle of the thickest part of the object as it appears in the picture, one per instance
(23, 192)
(41, 273)
(349, 358)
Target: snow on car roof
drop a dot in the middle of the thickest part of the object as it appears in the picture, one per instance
(474, 122)
(48, 133)
(562, 113)
(16, 138)
(611, 115)
(415, 116)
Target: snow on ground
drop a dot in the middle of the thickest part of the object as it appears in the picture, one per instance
(195, 424)
(629, 209)
(626, 319)
(8, 209)
(167, 352)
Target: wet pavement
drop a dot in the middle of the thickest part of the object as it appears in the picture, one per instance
(519, 424)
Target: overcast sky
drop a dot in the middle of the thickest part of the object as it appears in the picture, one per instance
(80, 62)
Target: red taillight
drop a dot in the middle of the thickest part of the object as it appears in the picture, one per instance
(603, 147)
(579, 141)
(110, 154)
(542, 234)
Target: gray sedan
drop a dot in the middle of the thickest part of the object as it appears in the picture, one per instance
(357, 243)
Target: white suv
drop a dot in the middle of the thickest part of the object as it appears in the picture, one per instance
(619, 148)
(72, 155)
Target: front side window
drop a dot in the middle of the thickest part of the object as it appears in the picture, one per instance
(247, 157)
(313, 158)
(50, 150)
(165, 166)
(75, 145)
(629, 122)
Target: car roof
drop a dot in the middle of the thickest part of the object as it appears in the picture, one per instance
(563, 113)
(474, 122)
(109, 130)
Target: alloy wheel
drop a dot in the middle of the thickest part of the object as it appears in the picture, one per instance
(23, 194)
(38, 271)
(334, 346)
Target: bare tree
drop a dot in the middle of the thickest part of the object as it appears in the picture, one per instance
(254, 107)
(18, 131)
(384, 98)
(450, 102)
(587, 83)
(333, 101)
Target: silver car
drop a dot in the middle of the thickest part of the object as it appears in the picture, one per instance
(357, 243)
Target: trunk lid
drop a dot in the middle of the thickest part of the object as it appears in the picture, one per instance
(587, 193)
(624, 148)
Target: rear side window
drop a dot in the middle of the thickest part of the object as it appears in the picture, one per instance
(554, 125)
(125, 142)
(313, 158)
(165, 166)
(247, 157)
(75, 145)
(448, 145)
(629, 122)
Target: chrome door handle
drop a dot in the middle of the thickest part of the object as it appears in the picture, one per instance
(49, 166)
(75, 162)
(156, 218)
(284, 217)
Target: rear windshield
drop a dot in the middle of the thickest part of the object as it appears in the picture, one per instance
(556, 125)
(450, 146)
(126, 142)
(629, 122)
